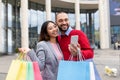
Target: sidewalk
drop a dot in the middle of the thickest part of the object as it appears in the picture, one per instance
(5, 62)
(109, 58)
(102, 58)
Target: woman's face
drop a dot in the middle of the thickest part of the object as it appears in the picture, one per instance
(52, 30)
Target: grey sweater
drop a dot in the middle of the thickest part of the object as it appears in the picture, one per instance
(47, 60)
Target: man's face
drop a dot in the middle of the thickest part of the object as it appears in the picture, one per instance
(62, 21)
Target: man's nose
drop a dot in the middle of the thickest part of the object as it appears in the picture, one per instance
(64, 22)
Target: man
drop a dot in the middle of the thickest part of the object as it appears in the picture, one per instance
(64, 40)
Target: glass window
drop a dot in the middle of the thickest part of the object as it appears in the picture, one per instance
(114, 5)
(71, 17)
(36, 19)
(41, 19)
(3, 15)
(53, 16)
(33, 18)
(9, 15)
(115, 32)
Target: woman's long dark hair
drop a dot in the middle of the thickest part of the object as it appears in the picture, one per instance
(43, 33)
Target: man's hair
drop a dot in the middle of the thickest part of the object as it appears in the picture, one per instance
(59, 13)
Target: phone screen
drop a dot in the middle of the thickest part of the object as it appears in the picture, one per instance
(74, 39)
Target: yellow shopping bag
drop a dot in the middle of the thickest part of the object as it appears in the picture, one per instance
(17, 70)
(22, 71)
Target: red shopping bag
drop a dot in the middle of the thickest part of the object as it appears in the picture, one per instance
(37, 74)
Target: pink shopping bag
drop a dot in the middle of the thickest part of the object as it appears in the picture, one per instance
(37, 74)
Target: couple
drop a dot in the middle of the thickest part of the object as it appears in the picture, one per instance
(53, 47)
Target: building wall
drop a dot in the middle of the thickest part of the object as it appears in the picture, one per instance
(37, 11)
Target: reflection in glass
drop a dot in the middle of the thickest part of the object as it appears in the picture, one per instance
(71, 17)
(115, 31)
(113, 5)
(40, 20)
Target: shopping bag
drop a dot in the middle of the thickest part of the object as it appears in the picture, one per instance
(35, 71)
(80, 57)
(97, 76)
(14, 70)
(22, 71)
(75, 70)
(30, 73)
(17, 69)
(37, 74)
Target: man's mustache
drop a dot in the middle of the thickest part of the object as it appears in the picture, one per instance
(64, 25)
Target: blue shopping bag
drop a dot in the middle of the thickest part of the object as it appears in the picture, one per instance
(97, 76)
(74, 70)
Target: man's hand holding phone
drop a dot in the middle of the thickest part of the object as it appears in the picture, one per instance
(74, 47)
(74, 40)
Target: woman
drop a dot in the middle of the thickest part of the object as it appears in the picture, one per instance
(48, 52)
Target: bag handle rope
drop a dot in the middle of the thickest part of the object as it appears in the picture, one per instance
(80, 56)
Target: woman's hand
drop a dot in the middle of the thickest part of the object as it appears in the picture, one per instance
(24, 50)
(74, 49)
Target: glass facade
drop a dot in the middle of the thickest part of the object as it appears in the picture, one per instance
(36, 18)
(37, 15)
(11, 24)
(115, 20)
(115, 31)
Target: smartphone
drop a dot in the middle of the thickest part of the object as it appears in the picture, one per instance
(74, 39)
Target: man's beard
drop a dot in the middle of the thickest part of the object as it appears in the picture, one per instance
(61, 29)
